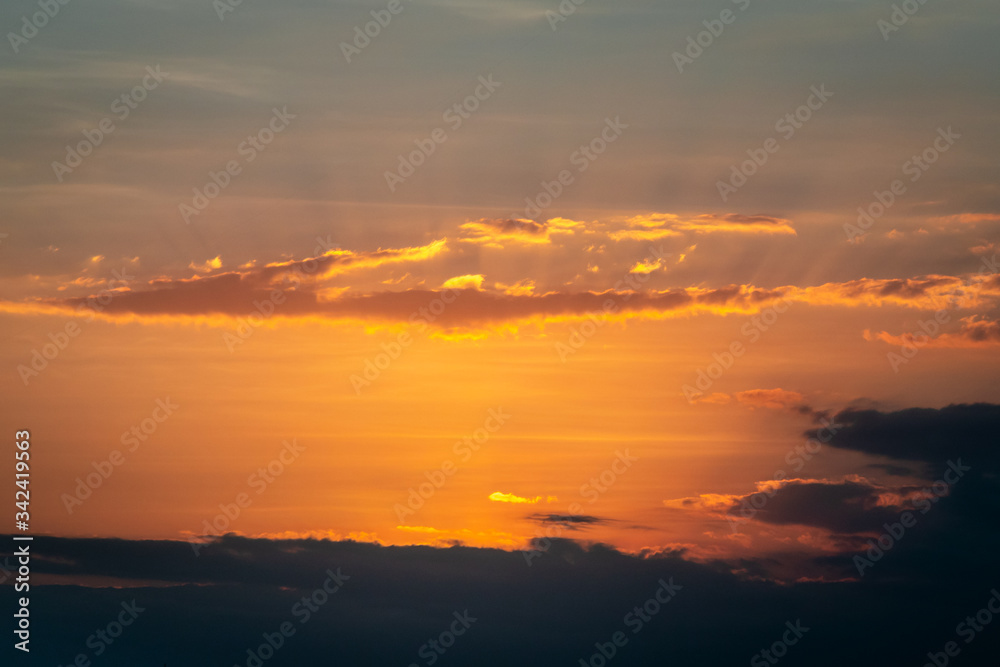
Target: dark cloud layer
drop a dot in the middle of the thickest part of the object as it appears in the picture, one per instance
(398, 598)
(929, 435)
(843, 507)
(230, 295)
(570, 521)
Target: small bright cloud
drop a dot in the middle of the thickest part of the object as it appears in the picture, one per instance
(209, 265)
(474, 281)
(500, 497)
(646, 267)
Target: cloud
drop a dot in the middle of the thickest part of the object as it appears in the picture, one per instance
(336, 261)
(393, 599)
(654, 226)
(568, 521)
(500, 497)
(495, 233)
(975, 332)
(931, 435)
(313, 288)
(465, 282)
(770, 398)
(643, 234)
(851, 505)
(924, 292)
(646, 266)
(207, 266)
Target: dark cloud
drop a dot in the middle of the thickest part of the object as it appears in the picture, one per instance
(981, 331)
(929, 435)
(233, 295)
(399, 598)
(509, 226)
(304, 290)
(842, 507)
(570, 521)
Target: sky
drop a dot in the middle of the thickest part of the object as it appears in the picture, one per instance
(517, 307)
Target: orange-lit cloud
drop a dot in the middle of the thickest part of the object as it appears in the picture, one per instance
(331, 535)
(233, 294)
(314, 288)
(208, 265)
(975, 332)
(646, 266)
(336, 261)
(500, 497)
(642, 234)
(661, 225)
(770, 398)
(985, 248)
(495, 233)
(472, 281)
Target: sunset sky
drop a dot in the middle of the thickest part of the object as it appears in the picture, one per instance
(661, 288)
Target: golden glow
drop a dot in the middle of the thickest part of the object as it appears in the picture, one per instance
(464, 282)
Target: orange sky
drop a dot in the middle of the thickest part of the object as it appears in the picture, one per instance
(342, 362)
